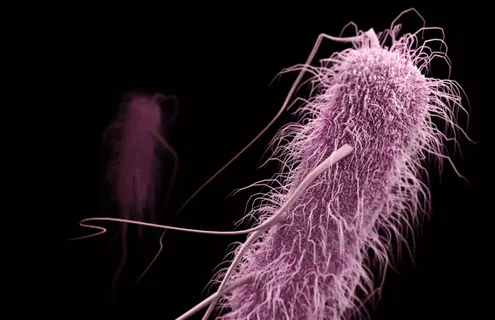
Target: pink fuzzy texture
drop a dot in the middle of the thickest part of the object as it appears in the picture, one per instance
(314, 264)
(134, 163)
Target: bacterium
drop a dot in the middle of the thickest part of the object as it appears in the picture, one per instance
(137, 139)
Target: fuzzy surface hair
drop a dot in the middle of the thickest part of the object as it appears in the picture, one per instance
(315, 265)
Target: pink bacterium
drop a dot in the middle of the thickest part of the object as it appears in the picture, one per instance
(137, 142)
(351, 183)
(314, 264)
(137, 139)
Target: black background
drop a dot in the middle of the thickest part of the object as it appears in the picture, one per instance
(219, 63)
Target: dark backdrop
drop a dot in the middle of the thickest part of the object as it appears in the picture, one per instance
(219, 63)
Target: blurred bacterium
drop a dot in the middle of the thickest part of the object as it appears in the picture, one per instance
(136, 137)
